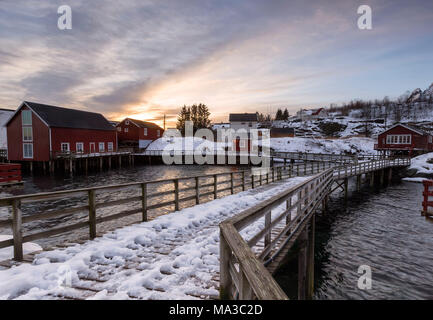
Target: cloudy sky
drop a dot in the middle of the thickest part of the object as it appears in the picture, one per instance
(145, 58)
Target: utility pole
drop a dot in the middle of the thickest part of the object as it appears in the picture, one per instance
(164, 122)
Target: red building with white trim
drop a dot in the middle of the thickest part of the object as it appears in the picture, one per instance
(39, 132)
(404, 139)
(137, 133)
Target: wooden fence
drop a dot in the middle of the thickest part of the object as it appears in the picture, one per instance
(342, 158)
(243, 274)
(10, 172)
(149, 197)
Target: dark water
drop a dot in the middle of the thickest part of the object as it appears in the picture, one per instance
(381, 228)
(41, 183)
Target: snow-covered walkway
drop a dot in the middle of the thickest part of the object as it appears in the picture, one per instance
(172, 257)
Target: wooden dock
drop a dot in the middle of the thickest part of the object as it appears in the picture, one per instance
(247, 265)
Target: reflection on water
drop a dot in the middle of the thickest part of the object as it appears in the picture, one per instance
(47, 183)
(381, 228)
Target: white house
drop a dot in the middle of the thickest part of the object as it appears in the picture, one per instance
(245, 121)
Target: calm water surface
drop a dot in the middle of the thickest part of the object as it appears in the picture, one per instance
(382, 228)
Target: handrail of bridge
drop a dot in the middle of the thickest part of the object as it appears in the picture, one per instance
(142, 197)
(310, 156)
(242, 273)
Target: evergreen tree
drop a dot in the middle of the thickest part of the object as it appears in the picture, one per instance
(279, 115)
(198, 114)
(285, 114)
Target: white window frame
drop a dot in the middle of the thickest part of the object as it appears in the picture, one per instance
(22, 117)
(31, 134)
(127, 122)
(79, 144)
(24, 152)
(67, 144)
(242, 143)
(110, 146)
(119, 129)
(430, 139)
(103, 146)
(398, 139)
(145, 131)
(126, 129)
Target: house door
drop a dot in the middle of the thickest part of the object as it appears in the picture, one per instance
(92, 147)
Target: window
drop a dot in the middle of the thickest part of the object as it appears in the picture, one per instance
(127, 122)
(430, 139)
(250, 124)
(242, 143)
(145, 131)
(126, 129)
(101, 146)
(27, 150)
(27, 134)
(158, 133)
(79, 147)
(398, 139)
(110, 146)
(119, 129)
(64, 146)
(26, 116)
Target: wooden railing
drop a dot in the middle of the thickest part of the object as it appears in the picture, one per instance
(341, 172)
(315, 156)
(243, 274)
(148, 195)
(75, 154)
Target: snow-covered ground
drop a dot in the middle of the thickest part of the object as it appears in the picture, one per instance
(421, 168)
(185, 144)
(8, 253)
(172, 257)
(354, 145)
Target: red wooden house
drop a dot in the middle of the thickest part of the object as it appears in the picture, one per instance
(39, 132)
(404, 139)
(137, 133)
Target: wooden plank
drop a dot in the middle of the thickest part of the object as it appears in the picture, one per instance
(197, 190)
(53, 213)
(118, 215)
(117, 202)
(176, 195)
(92, 214)
(6, 243)
(56, 231)
(160, 205)
(5, 223)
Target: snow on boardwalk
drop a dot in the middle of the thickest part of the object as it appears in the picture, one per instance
(172, 257)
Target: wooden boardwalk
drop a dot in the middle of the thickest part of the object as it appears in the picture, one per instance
(285, 217)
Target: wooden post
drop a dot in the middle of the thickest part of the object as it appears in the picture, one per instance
(302, 265)
(215, 186)
(358, 182)
(120, 161)
(225, 278)
(243, 180)
(17, 230)
(382, 176)
(390, 175)
(252, 180)
(109, 162)
(92, 214)
(245, 291)
(176, 195)
(100, 163)
(346, 187)
(144, 201)
(197, 190)
(268, 218)
(372, 179)
(232, 183)
(310, 259)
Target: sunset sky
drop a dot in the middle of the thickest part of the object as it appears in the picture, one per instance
(144, 59)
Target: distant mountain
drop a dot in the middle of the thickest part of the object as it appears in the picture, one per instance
(418, 95)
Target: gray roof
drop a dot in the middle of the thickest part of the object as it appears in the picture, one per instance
(243, 117)
(145, 124)
(59, 117)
